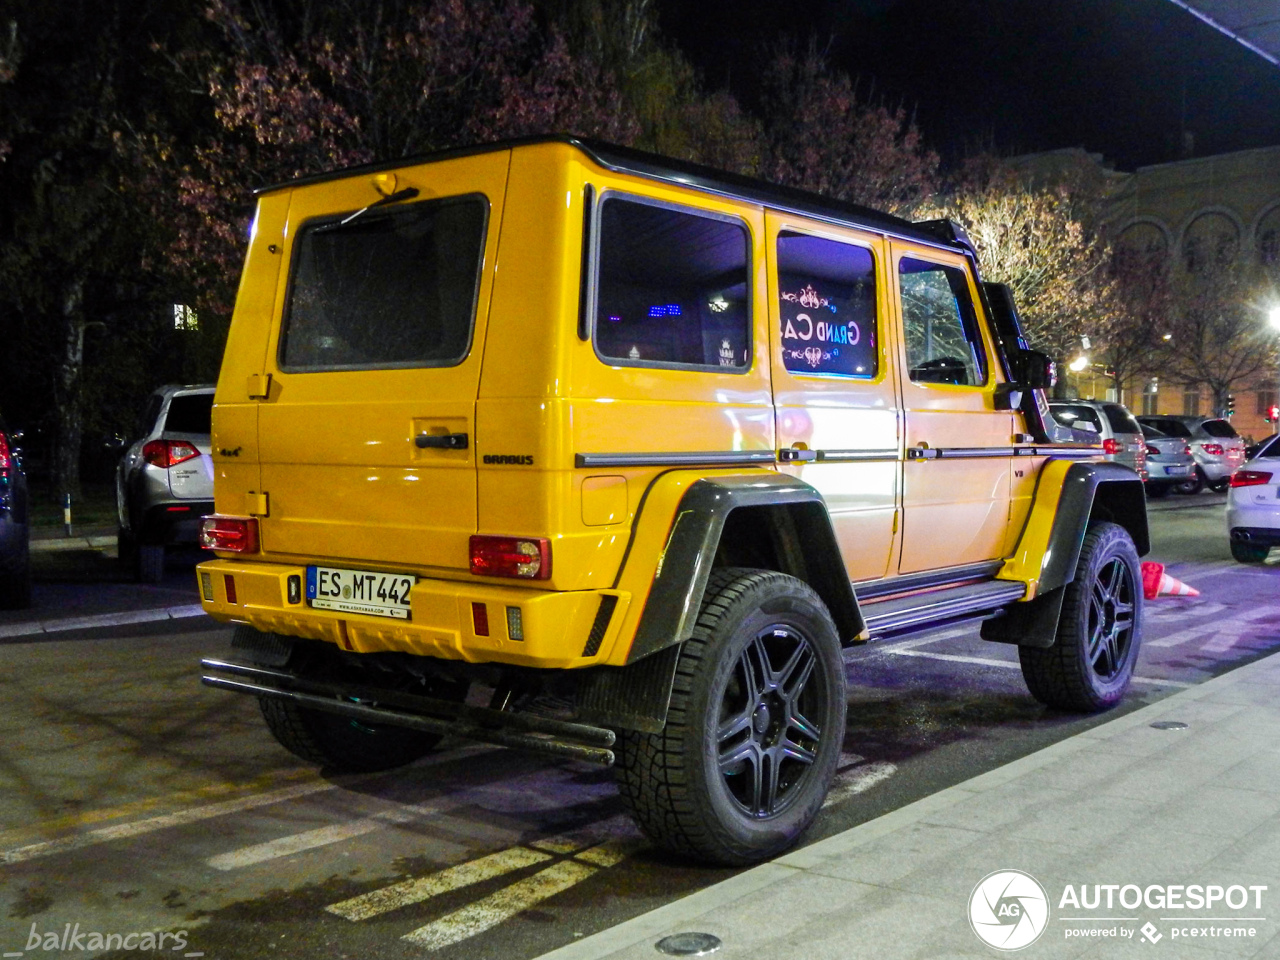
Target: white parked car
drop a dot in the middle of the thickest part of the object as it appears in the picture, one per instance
(1253, 505)
(164, 483)
(1214, 443)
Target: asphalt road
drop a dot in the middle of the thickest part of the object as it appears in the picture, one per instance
(132, 799)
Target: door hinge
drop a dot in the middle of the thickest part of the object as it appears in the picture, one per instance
(255, 504)
(259, 386)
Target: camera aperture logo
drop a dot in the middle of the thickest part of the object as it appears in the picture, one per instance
(1008, 910)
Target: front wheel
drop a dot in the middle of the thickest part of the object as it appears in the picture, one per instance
(754, 729)
(1091, 662)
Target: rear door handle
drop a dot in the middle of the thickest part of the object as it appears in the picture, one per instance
(442, 441)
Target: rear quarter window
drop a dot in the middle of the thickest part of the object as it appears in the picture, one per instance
(1218, 428)
(671, 288)
(1121, 420)
(387, 288)
(1071, 415)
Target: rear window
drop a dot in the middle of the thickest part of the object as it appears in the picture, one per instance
(1174, 428)
(190, 413)
(826, 306)
(1121, 420)
(394, 288)
(671, 288)
(1219, 428)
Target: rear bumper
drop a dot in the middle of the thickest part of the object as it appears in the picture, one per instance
(174, 521)
(561, 629)
(1260, 536)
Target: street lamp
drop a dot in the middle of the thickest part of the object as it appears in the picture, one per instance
(1273, 315)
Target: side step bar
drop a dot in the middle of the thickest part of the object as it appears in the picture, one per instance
(521, 731)
(934, 608)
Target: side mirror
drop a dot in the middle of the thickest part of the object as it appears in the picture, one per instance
(1034, 369)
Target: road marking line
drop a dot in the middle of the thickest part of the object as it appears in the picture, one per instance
(858, 780)
(35, 627)
(137, 828)
(408, 892)
(610, 853)
(500, 906)
(1014, 665)
(1203, 630)
(71, 820)
(323, 836)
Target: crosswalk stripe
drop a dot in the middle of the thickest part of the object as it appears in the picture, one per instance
(500, 906)
(408, 892)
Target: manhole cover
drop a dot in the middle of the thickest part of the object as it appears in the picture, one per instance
(688, 944)
(1169, 725)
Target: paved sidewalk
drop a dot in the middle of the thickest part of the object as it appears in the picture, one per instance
(1121, 804)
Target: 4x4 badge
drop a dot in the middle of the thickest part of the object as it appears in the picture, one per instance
(229, 453)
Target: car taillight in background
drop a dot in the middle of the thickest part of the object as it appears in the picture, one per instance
(168, 453)
(1186, 448)
(230, 534)
(1112, 446)
(527, 558)
(6, 457)
(1214, 449)
(1249, 478)
(1152, 451)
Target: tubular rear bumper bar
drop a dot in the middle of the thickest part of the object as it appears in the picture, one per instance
(557, 738)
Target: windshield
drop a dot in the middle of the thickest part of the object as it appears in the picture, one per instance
(389, 289)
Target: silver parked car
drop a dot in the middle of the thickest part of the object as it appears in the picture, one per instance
(1214, 443)
(1169, 461)
(1108, 424)
(164, 483)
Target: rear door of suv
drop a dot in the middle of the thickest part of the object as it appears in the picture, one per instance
(366, 432)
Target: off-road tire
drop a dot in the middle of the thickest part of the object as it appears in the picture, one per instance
(1249, 552)
(1090, 665)
(149, 562)
(15, 581)
(682, 784)
(343, 743)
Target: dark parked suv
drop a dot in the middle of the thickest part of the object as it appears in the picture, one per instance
(15, 532)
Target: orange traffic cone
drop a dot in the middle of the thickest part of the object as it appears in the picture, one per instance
(1157, 583)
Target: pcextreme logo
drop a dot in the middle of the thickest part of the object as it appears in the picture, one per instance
(1008, 909)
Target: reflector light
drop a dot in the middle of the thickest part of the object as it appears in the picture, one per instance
(168, 453)
(1214, 449)
(524, 558)
(230, 583)
(177, 509)
(206, 586)
(1111, 445)
(515, 623)
(1249, 478)
(480, 619)
(230, 534)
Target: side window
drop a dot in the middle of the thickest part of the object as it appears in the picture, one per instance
(1073, 415)
(671, 288)
(941, 329)
(827, 305)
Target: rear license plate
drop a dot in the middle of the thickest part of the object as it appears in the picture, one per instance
(1176, 471)
(360, 591)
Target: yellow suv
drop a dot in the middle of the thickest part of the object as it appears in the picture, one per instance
(562, 446)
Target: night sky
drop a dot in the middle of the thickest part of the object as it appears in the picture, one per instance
(1116, 77)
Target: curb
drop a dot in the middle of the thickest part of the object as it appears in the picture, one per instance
(37, 627)
(661, 921)
(73, 543)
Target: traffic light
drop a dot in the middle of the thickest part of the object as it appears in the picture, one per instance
(1231, 406)
(1273, 413)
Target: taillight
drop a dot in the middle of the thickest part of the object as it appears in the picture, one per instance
(528, 558)
(6, 459)
(1111, 445)
(1152, 451)
(1249, 478)
(1186, 448)
(168, 453)
(231, 534)
(1214, 449)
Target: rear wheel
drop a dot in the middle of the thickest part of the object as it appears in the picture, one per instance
(1193, 483)
(754, 729)
(345, 744)
(1091, 662)
(1249, 552)
(149, 562)
(15, 581)
(1157, 491)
